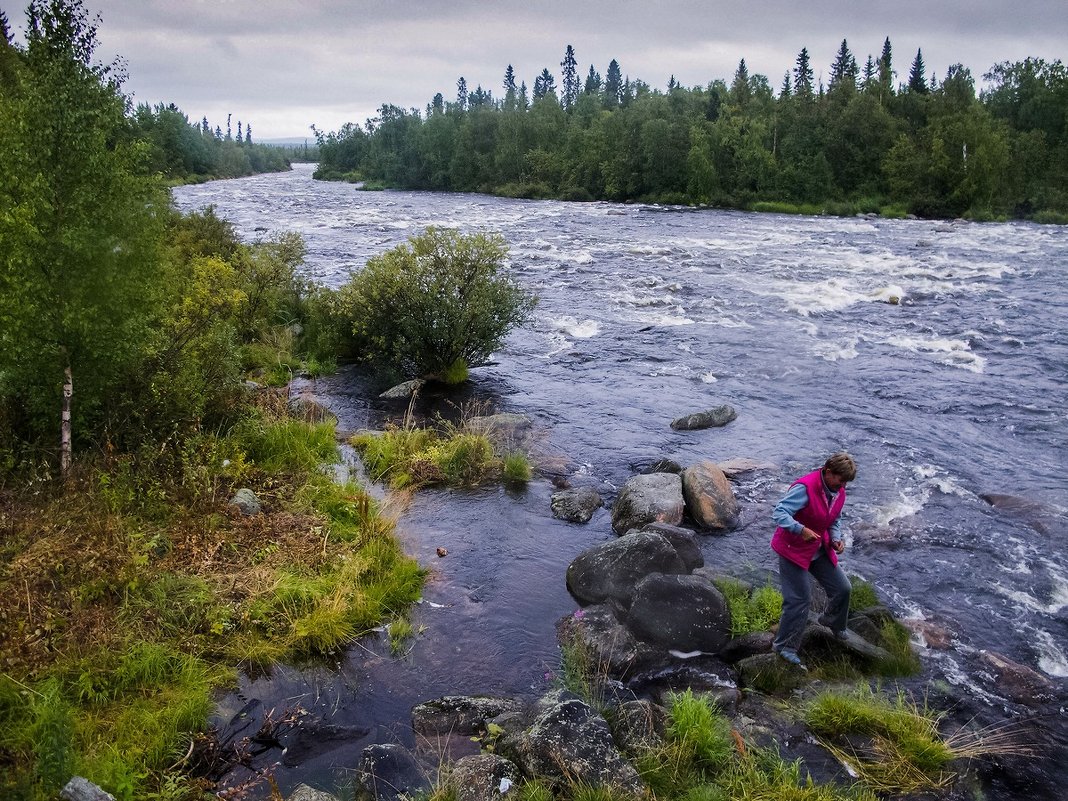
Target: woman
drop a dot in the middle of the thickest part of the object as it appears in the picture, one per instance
(808, 540)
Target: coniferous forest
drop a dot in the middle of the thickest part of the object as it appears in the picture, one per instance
(864, 142)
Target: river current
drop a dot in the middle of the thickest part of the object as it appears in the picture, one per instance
(934, 352)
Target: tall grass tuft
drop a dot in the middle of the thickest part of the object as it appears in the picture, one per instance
(756, 610)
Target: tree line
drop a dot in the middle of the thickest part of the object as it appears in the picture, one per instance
(864, 141)
(189, 152)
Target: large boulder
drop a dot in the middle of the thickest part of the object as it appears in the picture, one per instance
(683, 540)
(389, 773)
(505, 430)
(653, 498)
(611, 570)
(710, 418)
(483, 777)
(709, 497)
(570, 744)
(576, 505)
(683, 613)
(404, 391)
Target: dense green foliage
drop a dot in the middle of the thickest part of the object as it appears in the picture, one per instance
(858, 144)
(435, 306)
(189, 152)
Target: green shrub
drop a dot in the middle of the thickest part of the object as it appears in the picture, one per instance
(517, 468)
(441, 298)
(863, 595)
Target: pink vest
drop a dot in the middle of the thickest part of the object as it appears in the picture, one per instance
(815, 515)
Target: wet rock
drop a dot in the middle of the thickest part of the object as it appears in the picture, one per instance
(1019, 682)
(662, 466)
(310, 411)
(710, 418)
(304, 741)
(81, 789)
(769, 674)
(569, 744)
(576, 505)
(1039, 516)
(483, 777)
(683, 540)
(685, 613)
(934, 636)
(704, 675)
(751, 644)
(403, 391)
(303, 792)
(653, 498)
(389, 773)
(611, 570)
(740, 465)
(460, 714)
(709, 498)
(608, 643)
(246, 502)
(639, 726)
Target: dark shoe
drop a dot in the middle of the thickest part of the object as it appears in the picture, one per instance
(843, 635)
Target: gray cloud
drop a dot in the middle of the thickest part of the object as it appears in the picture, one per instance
(284, 65)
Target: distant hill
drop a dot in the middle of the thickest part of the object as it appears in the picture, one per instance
(289, 141)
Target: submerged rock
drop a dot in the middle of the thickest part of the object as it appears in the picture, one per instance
(390, 773)
(576, 505)
(460, 714)
(710, 418)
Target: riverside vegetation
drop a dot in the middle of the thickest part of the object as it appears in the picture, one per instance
(862, 143)
(130, 589)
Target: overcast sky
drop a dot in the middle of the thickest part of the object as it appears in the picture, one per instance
(283, 65)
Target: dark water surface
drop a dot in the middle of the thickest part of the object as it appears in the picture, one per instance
(957, 390)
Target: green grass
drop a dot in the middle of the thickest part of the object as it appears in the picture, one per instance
(417, 457)
(863, 595)
(147, 607)
(752, 611)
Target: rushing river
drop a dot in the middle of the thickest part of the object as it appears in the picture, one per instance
(935, 352)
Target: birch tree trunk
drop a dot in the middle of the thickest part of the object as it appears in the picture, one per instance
(64, 426)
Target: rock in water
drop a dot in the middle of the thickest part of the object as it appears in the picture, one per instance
(709, 497)
(710, 418)
(576, 505)
(654, 498)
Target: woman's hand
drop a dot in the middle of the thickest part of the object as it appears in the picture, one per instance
(808, 535)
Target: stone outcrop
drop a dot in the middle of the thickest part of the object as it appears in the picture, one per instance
(710, 500)
(652, 498)
(460, 714)
(404, 391)
(568, 743)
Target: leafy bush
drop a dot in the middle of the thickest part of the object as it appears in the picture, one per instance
(435, 304)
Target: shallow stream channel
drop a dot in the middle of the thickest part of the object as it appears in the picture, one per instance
(935, 352)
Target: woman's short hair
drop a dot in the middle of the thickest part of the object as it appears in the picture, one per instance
(842, 465)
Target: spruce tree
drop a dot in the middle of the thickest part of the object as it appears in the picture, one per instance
(917, 75)
(593, 82)
(509, 87)
(803, 76)
(613, 85)
(461, 93)
(843, 70)
(570, 81)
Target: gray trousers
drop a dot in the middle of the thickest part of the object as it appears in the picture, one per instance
(797, 594)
